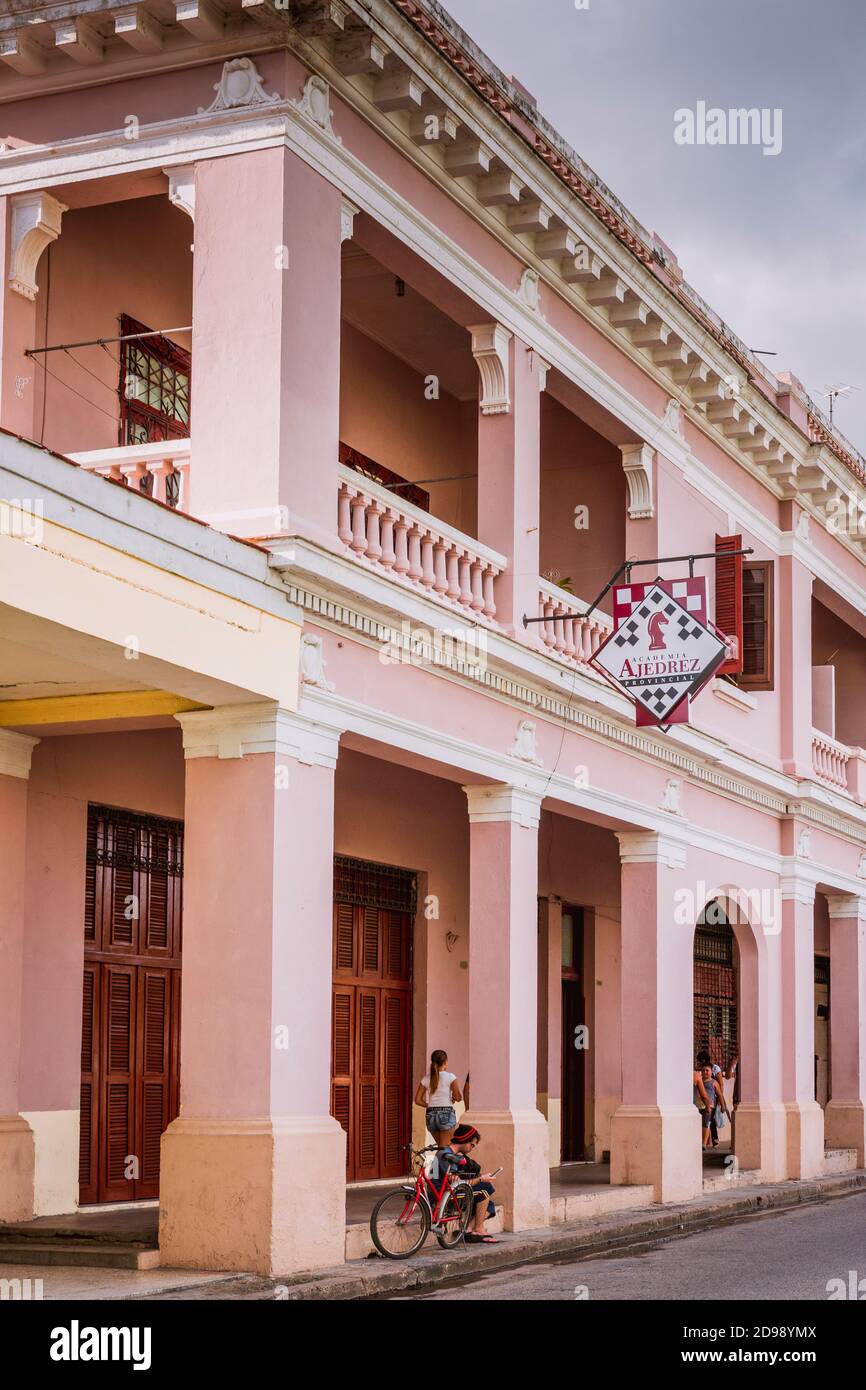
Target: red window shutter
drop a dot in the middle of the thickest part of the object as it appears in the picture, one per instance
(729, 597)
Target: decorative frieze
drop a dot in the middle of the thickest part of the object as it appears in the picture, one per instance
(240, 85)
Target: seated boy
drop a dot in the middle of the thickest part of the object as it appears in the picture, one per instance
(456, 1157)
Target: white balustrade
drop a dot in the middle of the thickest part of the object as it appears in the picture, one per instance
(830, 760)
(566, 631)
(160, 461)
(403, 540)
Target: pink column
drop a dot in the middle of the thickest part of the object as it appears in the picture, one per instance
(550, 1021)
(655, 1132)
(509, 470)
(794, 649)
(266, 346)
(805, 1118)
(503, 968)
(845, 1116)
(17, 1143)
(253, 1170)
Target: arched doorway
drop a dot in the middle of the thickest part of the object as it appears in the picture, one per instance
(716, 986)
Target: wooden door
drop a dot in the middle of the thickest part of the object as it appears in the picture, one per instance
(371, 1019)
(573, 1129)
(130, 1037)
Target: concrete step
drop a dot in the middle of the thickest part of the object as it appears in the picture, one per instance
(598, 1201)
(840, 1161)
(88, 1253)
(720, 1182)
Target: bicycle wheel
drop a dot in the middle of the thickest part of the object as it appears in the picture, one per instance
(455, 1216)
(399, 1225)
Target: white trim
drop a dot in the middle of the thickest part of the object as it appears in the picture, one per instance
(733, 695)
(844, 906)
(490, 348)
(504, 805)
(36, 221)
(16, 751)
(797, 889)
(181, 188)
(637, 464)
(640, 847)
(235, 731)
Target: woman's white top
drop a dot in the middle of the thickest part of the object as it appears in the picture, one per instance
(442, 1094)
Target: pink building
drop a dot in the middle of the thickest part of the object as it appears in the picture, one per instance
(413, 374)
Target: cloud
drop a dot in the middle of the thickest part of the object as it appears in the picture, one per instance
(774, 245)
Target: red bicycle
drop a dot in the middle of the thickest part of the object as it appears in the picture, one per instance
(402, 1219)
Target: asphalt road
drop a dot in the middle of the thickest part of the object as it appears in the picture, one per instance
(791, 1255)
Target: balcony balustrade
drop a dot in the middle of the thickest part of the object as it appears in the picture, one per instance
(566, 632)
(830, 760)
(161, 469)
(401, 540)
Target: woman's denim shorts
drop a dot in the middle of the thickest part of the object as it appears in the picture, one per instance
(441, 1117)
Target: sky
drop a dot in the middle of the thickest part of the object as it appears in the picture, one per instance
(776, 244)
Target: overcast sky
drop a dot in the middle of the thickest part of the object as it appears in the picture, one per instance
(776, 244)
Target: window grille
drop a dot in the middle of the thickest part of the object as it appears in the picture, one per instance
(366, 884)
(154, 389)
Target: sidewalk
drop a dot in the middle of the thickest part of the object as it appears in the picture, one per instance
(377, 1278)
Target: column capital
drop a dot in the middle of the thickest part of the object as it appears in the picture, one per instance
(490, 348)
(846, 905)
(649, 847)
(16, 751)
(794, 888)
(234, 731)
(503, 803)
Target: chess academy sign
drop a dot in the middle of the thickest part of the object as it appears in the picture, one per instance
(662, 650)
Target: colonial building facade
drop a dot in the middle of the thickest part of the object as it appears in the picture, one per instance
(334, 388)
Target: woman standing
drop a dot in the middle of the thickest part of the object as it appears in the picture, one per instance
(439, 1092)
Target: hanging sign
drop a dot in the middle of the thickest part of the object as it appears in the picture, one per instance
(662, 650)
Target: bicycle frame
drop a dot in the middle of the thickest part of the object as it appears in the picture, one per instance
(421, 1193)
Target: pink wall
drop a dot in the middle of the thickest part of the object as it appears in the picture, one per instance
(139, 771)
(385, 414)
(579, 468)
(833, 642)
(129, 257)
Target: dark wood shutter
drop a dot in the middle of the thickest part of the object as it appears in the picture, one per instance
(729, 597)
(757, 669)
(130, 1036)
(88, 1143)
(371, 1015)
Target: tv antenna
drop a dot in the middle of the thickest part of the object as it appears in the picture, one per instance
(832, 393)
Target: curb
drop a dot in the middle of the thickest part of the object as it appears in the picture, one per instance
(620, 1232)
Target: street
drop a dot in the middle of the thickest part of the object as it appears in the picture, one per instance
(792, 1255)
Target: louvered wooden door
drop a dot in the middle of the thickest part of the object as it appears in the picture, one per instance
(130, 1038)
(371, 1029)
